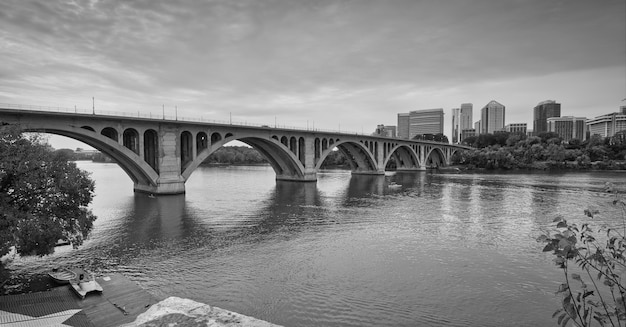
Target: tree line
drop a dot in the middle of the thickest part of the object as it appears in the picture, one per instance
(505, 150)
(243, 155)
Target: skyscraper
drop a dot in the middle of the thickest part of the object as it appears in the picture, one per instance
(492, 117)
(456, 124)
(568, 127)
(427, 121)
(418, 122)
(466, 116)
(543, 111)
(403, 125)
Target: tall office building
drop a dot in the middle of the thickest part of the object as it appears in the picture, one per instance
(492, 117)
(543, 111)
(568, 127)
(477, 128)
(456, 124)
(467, 116)
(418, 122)
(607, 125)
(403, 126)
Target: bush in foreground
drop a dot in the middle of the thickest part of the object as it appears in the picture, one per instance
(593, 264)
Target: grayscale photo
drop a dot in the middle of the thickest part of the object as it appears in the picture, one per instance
(305, 163)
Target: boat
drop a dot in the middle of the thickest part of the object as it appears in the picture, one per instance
(394, 185)
(62, 276)
(84, 285)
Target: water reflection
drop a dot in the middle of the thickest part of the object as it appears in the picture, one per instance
(443, 249)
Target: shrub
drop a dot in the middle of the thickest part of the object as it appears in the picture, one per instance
(594, 290)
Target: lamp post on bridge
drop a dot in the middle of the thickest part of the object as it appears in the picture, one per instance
(93, 105)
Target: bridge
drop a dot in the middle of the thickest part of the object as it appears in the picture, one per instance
(160, 153)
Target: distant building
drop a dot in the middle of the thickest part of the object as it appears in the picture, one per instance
(568, 127)
(467, 116)
(403, 126)
(386, 131)
(520, 128)
(477, 128)
(492, 117)
(418, 122)
(456, 125)
(607, 125)
(468, 132)
(542, 111)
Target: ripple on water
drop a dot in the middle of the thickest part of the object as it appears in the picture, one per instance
(441, 250)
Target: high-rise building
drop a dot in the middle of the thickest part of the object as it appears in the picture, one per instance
(477, 128)
(543, 111)
(418, 122)
(427, 121)
(403, 126)
(456, 124)
(607, 125)
(492, 117)
(568, 127)
(520, 128)
(467, 116)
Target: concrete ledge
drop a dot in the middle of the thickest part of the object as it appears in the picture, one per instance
(175, 311)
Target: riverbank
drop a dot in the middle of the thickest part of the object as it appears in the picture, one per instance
(122, 303)
(611, 165)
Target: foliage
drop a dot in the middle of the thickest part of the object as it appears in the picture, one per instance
(43, 197)
(593, 265)
(335, 159)
(240, 155)
(516, 151)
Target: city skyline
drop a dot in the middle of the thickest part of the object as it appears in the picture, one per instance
(348, 65)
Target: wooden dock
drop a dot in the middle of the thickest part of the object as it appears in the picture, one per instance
(120, 303)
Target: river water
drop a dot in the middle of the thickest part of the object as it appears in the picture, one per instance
(441, 250)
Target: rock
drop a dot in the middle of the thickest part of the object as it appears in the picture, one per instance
(175, 311)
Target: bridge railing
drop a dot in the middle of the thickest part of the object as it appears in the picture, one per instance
(150, 115)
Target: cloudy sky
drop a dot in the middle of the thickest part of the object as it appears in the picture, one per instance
(348, 64)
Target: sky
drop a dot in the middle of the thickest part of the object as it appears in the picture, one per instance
(338, 65)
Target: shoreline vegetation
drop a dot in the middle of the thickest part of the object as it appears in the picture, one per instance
(547, 151)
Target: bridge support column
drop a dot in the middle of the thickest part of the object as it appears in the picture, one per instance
(368, 172)
(162, 188)
(170, 180)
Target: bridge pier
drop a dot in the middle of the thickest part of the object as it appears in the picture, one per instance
(368, 172)
(308, 177)
(166, 188)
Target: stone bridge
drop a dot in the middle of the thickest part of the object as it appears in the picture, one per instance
(159, 154)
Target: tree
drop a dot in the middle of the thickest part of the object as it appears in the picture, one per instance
(594, 288)
(43, 197)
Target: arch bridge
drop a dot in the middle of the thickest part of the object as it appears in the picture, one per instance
(159, 155)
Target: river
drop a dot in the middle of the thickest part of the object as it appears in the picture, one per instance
(441, 250)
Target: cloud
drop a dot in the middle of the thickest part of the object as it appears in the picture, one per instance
(322, 60)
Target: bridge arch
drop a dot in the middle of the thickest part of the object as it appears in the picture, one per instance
(111, 133)
(405, 157)
(359, 157)
(286, 164)
(186, 149)
(130, 140)
(435, 157)
(135, 167)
